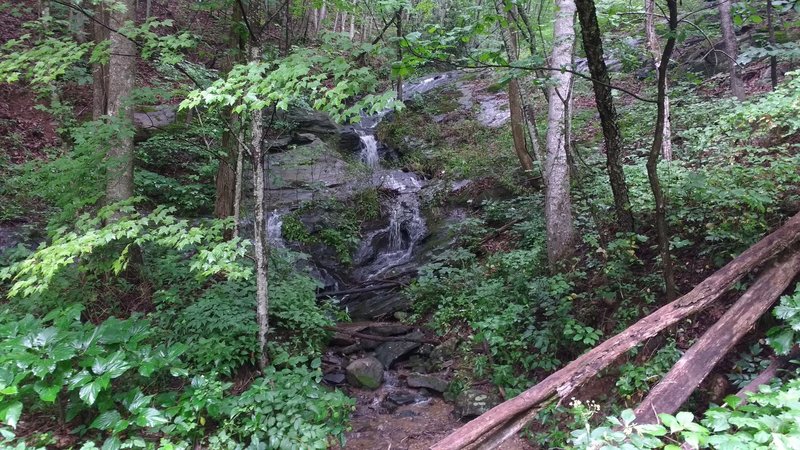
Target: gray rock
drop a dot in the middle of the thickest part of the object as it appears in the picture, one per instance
(335, 378)
(401, 398)
(304, 138)
(309, 121)
(276, 144)
(365, 372)
(473, 403)
(427, 381)
(389, 352)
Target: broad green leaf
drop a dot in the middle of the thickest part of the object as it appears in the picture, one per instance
(107, 420)
(10, 414)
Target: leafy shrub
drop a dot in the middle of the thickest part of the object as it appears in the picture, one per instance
(219, 328)
(286, 409)
(175, 163)
(637, 378)
(768, 420)
(73, 369)
(783, 338)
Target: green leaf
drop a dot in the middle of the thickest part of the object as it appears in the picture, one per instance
(10, 414)
(150, 417)
(47, 393)
(89, 392)
(107, 420)
(112, 443)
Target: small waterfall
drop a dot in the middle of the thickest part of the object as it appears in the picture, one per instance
(275, 229)
(393, 246)
(369, 150)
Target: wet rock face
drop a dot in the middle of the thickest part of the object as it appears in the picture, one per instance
(473, 403)
(365, 372)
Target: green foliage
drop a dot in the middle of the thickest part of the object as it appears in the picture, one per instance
(519, 312)
(636, 378)
(749, 365)
(219, 329)
(768, 420)
(61, 363)
(342, 219)
(213, 254)
(320, 77)
(175, 166)
(41, 62)
(287, 408)
(75, 180)
(783, 338)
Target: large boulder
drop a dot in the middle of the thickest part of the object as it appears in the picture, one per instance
(365, 372)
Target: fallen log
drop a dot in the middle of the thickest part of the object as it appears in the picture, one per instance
(566, 380)
(695, 365)
(768, 374)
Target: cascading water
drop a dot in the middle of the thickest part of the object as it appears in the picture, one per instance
(275, 229)
(393, 246)
(369, 150)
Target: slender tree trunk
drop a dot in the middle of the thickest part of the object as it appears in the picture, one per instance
(322, 13)
(99, 71)
(652, 160)
(515, 98)
(147, 8)
(655, 51)
(558, 206)
(731, 47)
(260, 243)
(593, 46)
(352, 26)
(121, 77)
(237, 196)
(226, 176)
(398, 21)
(773, 60)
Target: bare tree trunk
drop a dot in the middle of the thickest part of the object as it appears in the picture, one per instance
(147, 9)
(652, 160)
(121, 77)
(322, 13)
(237, 196)
(99, 71)
(563, 382)
(260, 243)
(398, 20)
(558, 206)
(593, 46)
(677, 385)
(515, 98)
(731, 47)
(352, 26)
(655, 52)
(773, 60)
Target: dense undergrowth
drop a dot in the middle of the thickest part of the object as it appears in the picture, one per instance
(734, 179)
